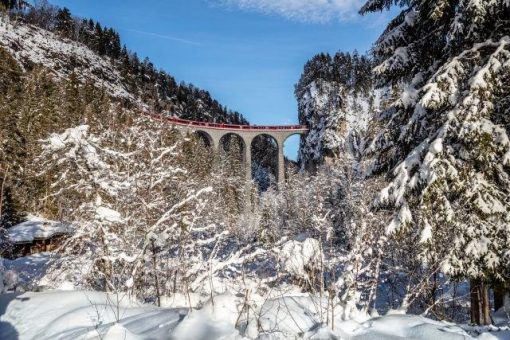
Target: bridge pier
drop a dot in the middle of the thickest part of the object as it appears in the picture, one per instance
(247, 156)
(281, 163)
(215, 132)
(215, 144)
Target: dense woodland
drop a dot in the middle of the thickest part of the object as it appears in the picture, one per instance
(353, 71)
(401, 201)
(444, 145)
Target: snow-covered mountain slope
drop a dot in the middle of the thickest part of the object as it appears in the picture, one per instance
(34, 46)
(87, 55)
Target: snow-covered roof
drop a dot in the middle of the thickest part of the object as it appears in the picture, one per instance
(37, 228)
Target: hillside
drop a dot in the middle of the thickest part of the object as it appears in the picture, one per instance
(30, 46)
(50, 82)
(53, 38)
(83, 51)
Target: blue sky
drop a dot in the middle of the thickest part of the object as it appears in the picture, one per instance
(247, 53)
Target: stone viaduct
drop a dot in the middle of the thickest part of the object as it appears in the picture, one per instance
(214, 132)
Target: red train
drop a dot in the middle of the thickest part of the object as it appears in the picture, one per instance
(180, 121)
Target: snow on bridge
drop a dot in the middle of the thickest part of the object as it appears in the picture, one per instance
(214, 132)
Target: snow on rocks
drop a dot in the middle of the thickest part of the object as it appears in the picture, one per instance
(338, 119)
(37, 228)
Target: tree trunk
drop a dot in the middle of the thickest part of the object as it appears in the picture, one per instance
(480, 308)
(499, 297)
(2, 192)
(154, 263)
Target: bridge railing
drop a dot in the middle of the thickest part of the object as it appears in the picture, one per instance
(185, 122)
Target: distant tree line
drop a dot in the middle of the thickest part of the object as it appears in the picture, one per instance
(351, 70)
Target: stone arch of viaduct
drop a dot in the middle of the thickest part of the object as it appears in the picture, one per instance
(214, 132)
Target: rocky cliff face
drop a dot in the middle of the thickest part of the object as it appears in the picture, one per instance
(336, 101)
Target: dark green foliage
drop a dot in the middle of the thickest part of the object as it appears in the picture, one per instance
(13, 4)
(265, 155)
(64, 23)
(430, 32)
(32, 106)
(11, 139)
(381, 5)
(443, 142)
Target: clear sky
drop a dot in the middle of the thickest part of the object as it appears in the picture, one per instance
(248, 54)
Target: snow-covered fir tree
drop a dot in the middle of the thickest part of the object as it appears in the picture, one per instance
(445, 138)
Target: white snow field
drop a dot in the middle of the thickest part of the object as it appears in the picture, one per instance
(95, 315)
(83, 315)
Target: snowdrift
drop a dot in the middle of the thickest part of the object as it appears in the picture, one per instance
(94, 315)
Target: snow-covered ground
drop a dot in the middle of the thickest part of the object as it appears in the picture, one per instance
(237, 310)
(83, 315)
(94, 315)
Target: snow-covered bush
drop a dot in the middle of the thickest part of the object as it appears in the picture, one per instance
(298, 258)
(129, 198)
(325, 236)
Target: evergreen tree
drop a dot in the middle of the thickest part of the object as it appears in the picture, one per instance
(84, 33)
(64, 23)
(13, 4)
(72, 105)
(444, 145)
(41, 14)
(11, 138)
(99, 40)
